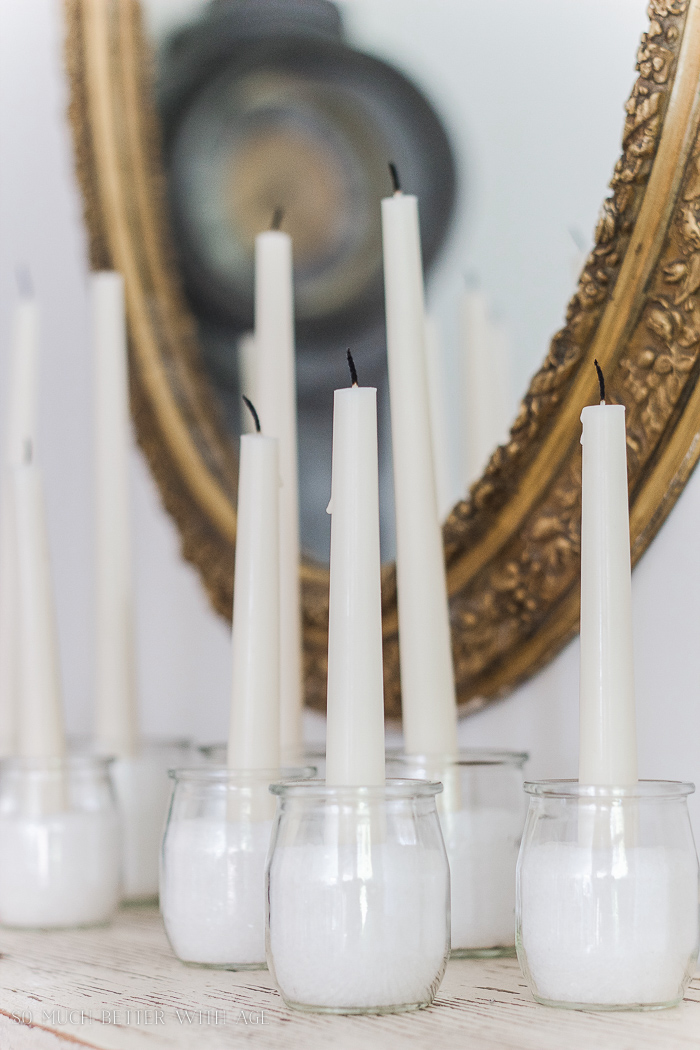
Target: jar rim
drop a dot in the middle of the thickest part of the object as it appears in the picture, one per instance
(393, 788)
(465, 756)
(224, 775)
(312, 750)
(649, 789)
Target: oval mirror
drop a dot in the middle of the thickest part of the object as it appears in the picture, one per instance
(182, 116)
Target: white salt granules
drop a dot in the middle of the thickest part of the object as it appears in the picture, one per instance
(59, 870)
(349, 930)
(212, 892)
(595, 937)
(143, 788)
(482, 848)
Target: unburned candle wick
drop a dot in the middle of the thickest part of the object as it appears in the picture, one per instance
(254, 414)
(277, 216)
(353, 370)
(601, 382)
(393, 171)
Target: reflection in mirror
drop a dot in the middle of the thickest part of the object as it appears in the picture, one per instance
(266, 104)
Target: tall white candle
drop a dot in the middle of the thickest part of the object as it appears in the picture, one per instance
(355, 717)
(608, 746)
(486, 385)
(20, 437)
(427, 677)
(276, 394)
(116, 728)
(41, 732)
(254, 733)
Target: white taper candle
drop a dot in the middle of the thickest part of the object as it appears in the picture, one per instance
(41, 732)
(20, 439)
(254, 728)
(608, 745)
(427, 677)
(355, 708)
(276, 403)
(116, 728)
(486, 401)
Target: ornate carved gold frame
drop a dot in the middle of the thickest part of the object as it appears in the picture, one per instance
(511, 548)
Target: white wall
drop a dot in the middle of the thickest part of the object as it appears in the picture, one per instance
(183, 666)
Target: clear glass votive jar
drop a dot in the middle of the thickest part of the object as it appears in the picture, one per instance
(358, 894)
(143, 789)
(60, 844)
(607, 895)
(212, 876)
(482, 812)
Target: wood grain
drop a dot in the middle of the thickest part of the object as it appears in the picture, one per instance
(482, 1004)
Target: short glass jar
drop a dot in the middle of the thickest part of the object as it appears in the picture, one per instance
(358, 895)
(212, 878)
(60, 846)
(607, 897)
(143, 791)
(482, 813)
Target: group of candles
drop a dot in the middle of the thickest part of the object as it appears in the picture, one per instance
(61, 798)
(355, 889)
(367, 890)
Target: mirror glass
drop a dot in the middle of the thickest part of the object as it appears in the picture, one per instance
(504, 118)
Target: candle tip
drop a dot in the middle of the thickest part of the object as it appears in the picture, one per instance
(601, 382)
(256, 417)
(25, 285)
(353, 370)
(395, 181)
(277, 216)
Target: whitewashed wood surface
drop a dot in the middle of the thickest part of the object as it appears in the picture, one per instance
(121, 988)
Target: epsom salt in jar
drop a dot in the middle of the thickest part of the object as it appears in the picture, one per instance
(607, 897)
(358, 897)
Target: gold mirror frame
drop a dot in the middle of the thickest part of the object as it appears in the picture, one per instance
(512, 547)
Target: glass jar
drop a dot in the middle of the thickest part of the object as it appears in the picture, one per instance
(607, 897)
(143, 791)
(60, 847)
(482, 813)
(212, 879)
(358, 895)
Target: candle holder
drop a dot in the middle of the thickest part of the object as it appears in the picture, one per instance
(213, 865)
(607, 896)
(60, 848)
(143, 791)
(482, 815)
(358, 897)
